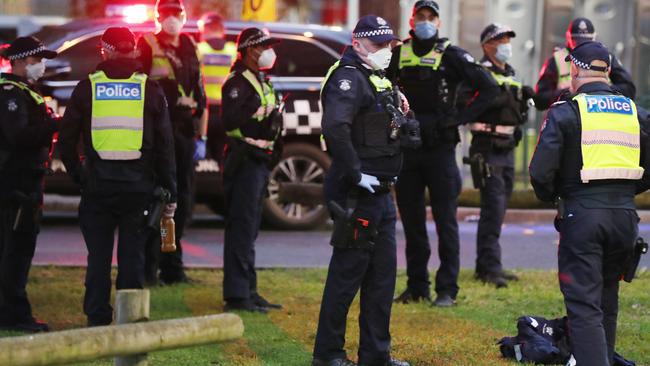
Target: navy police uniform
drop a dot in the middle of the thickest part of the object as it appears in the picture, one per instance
(495, 134)
(429, 72)
(116, 191)
(178, 71)
(26, 130)
(356, 129)
(249, 111)
(595, 168)
(554, 75)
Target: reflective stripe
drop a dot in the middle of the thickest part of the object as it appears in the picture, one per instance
(407, 58)
(161, 68)
(20, 85)
(610, 138)
(506, 80)
(215, 66)
(490, 128)
(117, 116)
(563, 69)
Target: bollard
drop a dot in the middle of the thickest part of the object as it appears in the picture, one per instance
(132, 306)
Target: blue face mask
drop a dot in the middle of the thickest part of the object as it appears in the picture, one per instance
(425, 30)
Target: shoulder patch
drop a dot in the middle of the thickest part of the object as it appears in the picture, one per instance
(345, 84)
(234, 93)
(468, 57)
(12, 106)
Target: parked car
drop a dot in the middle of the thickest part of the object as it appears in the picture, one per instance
(304, 56)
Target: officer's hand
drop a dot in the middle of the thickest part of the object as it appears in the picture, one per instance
(367, 181)
(199, 151)
(406, 107)
(170, 209)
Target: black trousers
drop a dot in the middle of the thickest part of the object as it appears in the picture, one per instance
(494, 202)
(171, 264)
(435, 170)
(372, 271)
(99, 217)
(594, 247)
(16, 252)
(245, 190)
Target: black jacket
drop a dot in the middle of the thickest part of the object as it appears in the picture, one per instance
(457, 66)
(25, 137)
(187, 71)
(157, 165)
(347, 94)
(547, 91)
(557, 161)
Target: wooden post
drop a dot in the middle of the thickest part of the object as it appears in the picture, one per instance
(132, 306)
(79, 345)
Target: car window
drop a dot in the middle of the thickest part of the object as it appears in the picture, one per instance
(82, 58)
(300, 58)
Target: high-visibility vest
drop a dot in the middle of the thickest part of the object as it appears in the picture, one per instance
(379, 83)
(610, 141)
(20, 85)
(117, 117)
(161, 67)
(267, 97)
(407, 58)
(563, 69)
(216, 67)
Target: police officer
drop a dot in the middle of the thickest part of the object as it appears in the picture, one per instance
(495, 134)
(365, 163)
(217, 55)
(170, 58)
(26, 129)
(555, 78)
(122, 120)
(429, 70)
(253, 124)
(591, 155)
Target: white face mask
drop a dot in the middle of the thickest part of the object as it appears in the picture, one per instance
(35, 71)
(380, 59)
(172, 25)
(504, 52)
(267, 59)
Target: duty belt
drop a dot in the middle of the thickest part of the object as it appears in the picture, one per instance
(491, 128)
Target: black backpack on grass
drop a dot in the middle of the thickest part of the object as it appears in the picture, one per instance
(545, 342)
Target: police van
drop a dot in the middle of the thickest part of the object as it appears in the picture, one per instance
(304, 56)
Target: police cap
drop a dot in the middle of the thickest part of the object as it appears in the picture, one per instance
(118, 39)
(23, 47)
(586, 53)
(496, 31)
(250, 37)
(375, 28)
(426, 4)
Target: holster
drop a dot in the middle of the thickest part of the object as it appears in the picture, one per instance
(640, 248)
(28, 212)
(154, 212)
(350, 230)
(480, 169)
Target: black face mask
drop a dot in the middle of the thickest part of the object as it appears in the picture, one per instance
(216, 43)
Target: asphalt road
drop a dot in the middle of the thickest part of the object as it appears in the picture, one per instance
(524, 245)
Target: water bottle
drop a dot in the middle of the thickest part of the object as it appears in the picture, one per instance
(167, 235)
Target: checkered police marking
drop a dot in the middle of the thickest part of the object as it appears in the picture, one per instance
(608, 104)
(118, 91)
(302, 117)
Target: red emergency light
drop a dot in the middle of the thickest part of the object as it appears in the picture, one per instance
(136, 13)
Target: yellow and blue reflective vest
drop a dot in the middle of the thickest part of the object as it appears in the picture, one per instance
(610, 140)
(216, 65)
(117, 117)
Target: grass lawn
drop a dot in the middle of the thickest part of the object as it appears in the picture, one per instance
(463, 335)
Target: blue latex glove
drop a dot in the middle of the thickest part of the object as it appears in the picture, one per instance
(199, 150)
(367, 181)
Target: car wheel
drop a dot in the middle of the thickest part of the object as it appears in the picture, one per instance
(296, 188)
